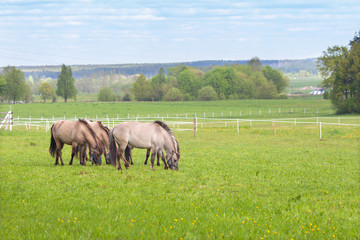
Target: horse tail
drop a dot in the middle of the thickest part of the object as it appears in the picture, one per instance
(112, 146)
(128, 153)
(52, 148)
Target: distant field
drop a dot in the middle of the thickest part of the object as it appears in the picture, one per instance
(296, 107)
(296, 84)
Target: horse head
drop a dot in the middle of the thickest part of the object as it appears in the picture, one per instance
(96, 156)
(173, 160)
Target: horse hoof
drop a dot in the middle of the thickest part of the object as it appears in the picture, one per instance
(158, 164)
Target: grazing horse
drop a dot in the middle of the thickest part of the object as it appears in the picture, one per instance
(102, 132)
(78, 134)
(156, 136)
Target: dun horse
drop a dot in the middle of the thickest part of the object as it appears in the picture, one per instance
(77, 134)
(154, 136)
(102, 132)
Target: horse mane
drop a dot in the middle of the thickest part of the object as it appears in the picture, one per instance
(90, 129)
(166, 127)
(105, 128)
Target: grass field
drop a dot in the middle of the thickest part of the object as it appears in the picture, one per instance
(296, 107)
(246, 185)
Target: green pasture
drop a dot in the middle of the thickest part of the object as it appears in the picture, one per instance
(251, 109)
(236, 179)
(230, 185)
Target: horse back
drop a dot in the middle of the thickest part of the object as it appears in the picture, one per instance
(139, 135)
(69, 131)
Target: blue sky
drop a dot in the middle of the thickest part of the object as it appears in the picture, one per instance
(138, 31)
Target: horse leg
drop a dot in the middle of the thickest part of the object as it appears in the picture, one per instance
(153, 153)
(118, 164)
(147, 155)
(164, 161)
(59, 153)
(158, 155)
(74, 146)
(83, 155)
(57, 158)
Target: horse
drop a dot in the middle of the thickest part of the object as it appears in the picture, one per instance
(102, 132)
(156, 136)
(78, 134)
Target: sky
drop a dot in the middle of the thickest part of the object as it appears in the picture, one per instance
(152, 31)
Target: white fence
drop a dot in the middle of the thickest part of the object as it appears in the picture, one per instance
(185, 123)
(7, 121)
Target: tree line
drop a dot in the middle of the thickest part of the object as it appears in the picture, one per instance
(181, 83)
(223, 82)
(14, 88)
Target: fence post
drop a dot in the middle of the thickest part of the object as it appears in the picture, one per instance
(237, 125)
(274, 127)
(194, 126)
(320, 132)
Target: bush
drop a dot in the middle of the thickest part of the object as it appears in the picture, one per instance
(188, 97)
(127, 97)
(282, 96)
(173, 94)
(105, 95)
(207, 94)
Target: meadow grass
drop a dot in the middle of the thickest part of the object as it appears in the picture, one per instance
(295, 107)
(250, 185)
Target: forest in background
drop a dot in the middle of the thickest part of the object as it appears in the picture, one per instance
(118, 79)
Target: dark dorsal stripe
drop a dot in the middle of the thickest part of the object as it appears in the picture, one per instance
(90, 129)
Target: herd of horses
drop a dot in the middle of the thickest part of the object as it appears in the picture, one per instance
(114, 144)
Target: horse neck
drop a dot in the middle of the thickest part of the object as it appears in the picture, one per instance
(91, 141)
(169, 145)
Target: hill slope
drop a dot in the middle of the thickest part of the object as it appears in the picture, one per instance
(151, 69)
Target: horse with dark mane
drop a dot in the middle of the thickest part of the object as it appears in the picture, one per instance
(102, 132)
(154, 136)
(78, 134)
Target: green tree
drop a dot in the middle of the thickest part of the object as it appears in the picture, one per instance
(222, 79)
(255, 64)
(2, 84)
(46, 91)
(27, 93)
(106, 95)
(173, 94)
(189, 81)
(276, 77)
(142, 89)
(66, 84)
(157, 83)
(15, 84)
(267, 91)
(340, 68)
(207, 93)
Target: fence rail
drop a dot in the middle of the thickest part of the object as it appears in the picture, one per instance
(194, 123)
